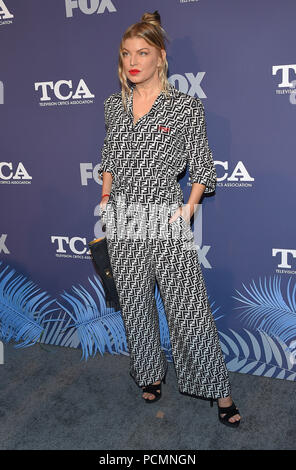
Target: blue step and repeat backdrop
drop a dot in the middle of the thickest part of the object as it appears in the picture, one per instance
(58, 64)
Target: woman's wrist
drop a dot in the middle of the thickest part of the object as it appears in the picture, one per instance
(104, 195)
(188, 210)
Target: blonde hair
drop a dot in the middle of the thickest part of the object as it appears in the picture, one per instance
(150, 29)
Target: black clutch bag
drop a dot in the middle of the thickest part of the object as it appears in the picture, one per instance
(100, 256)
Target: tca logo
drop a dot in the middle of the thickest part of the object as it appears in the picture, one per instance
(77, 245)
(7, 172)
(88, 7)
(284, 256)
(81, 91)
(4, 12)
(239, 173)
(284, 74)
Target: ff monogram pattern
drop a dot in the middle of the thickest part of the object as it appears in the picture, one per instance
(145, 159)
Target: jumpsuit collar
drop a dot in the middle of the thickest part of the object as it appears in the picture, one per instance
(160, 99)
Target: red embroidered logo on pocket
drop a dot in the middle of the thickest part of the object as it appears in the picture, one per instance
(164, 129)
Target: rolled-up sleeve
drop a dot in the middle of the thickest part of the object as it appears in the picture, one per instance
(106, 154)
(199, 155)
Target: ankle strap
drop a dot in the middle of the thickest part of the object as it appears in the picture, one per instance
(152, 388)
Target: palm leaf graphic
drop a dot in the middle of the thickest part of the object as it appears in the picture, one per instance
(266, 309)
(93, 326)
(257, 354)
(98, 327)
(58, 331)
(20, 312)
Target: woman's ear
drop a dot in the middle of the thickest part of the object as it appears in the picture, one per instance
(163, 53)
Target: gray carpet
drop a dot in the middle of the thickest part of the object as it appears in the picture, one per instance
(50, 399)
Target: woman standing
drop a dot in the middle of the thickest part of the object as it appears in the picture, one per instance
(153, 130)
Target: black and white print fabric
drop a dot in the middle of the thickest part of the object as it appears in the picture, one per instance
(145, 159)
(155, 150)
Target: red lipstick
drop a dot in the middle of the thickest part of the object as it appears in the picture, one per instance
(134, 71)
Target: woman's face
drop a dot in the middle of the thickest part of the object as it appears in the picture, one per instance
(142, 58)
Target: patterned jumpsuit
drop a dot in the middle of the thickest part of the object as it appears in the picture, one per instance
(145, 159)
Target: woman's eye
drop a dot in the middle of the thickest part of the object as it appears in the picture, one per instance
(142, 52)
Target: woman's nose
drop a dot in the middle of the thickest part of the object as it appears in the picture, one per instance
(133, 60)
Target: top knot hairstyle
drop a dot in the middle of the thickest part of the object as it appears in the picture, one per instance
(153, 18)
(150, 29)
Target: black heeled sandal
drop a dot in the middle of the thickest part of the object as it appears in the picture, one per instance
(153, 389)
(229, 412)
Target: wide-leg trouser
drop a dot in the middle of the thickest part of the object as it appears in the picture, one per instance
(196, 351)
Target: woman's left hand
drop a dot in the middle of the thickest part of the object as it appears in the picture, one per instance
(183, 211)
